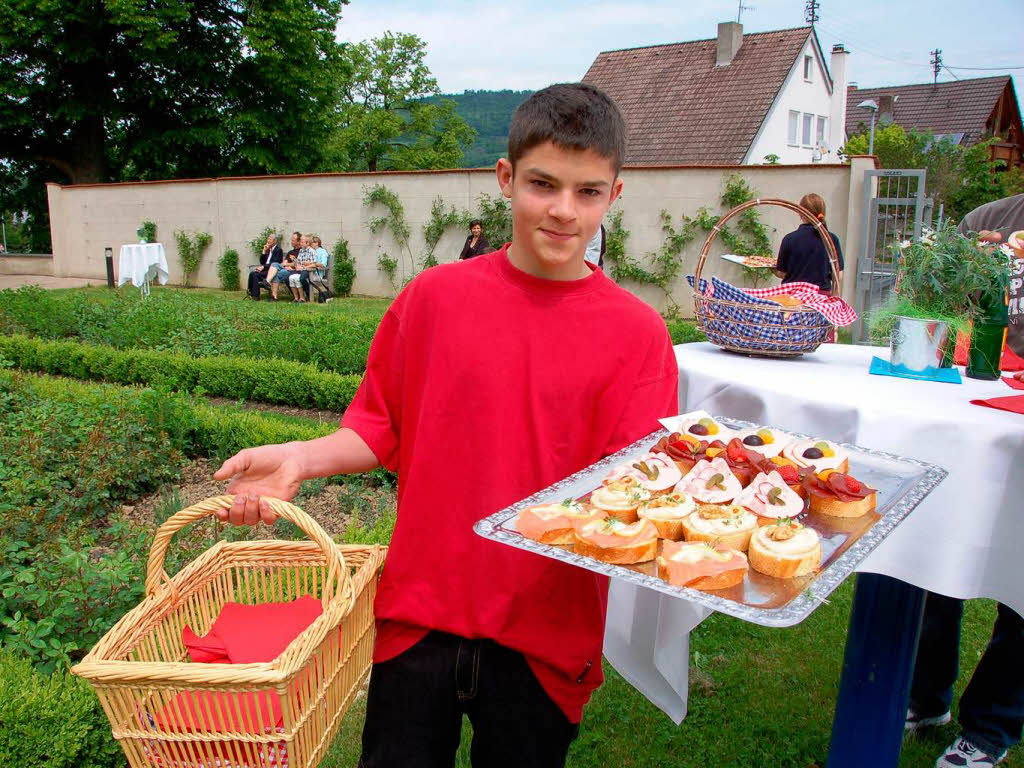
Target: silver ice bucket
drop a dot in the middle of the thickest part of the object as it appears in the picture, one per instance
(917, 346)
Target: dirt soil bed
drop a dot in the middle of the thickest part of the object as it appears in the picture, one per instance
(332, 417)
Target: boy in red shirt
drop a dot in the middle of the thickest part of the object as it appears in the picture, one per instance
(488, 380)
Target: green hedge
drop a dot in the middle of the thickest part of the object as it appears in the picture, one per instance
(267, 381)
(199, 323)
(51, 721)
(684, 331)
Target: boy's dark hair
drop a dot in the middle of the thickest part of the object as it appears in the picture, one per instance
(475, 222)
(570, 115)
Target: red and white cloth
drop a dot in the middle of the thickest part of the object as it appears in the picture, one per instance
(832, 308)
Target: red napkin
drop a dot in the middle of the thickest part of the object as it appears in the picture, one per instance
(220, 712)
(245, 634)
(1013, 403)
(1011, 361)
(1012, 382)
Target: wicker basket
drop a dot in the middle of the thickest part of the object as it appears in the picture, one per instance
(762, 328)
(145, 682)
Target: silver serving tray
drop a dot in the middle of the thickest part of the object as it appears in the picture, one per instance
(901, 483)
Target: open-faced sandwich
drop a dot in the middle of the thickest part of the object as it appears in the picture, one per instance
(667, 513)
(785, 549)
(820, 454)
(743, 461)
(610, 540)
(552, 523)
(701, 424)
(620, 498)
(655, 472)
(839, 495)
(711, 482)
(700, 565)
(686, 450)
(766, 441)
(728, 525)
(769, 497)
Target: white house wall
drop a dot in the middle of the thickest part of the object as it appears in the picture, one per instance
(801, 96)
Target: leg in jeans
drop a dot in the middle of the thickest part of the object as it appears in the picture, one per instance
(515, 723)
(938, 656)
(413, 717)
(992, 707)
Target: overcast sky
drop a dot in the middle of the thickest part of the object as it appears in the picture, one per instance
(528, 44)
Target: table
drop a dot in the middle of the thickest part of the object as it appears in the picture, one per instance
(139, 262)
(830, 393)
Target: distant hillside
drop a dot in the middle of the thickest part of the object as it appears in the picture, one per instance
(489, 113)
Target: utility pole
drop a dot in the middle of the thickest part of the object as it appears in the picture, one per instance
(811, 12)
(936, 62)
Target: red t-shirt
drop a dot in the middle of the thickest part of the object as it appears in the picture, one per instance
(484, 385)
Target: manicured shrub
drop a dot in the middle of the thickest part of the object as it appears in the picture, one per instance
(228, 271)
(684, 331)
(343, 269)
(335, 337)
(51, 721)
(269, 381)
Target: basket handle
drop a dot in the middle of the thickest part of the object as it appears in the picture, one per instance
(830, 247)
(338, 583)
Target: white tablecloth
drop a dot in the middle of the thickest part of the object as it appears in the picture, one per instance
(966, 539)
(137, 261)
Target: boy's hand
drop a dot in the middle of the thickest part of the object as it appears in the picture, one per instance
(270, 470)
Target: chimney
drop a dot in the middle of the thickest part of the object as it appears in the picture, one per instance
(837, 108)
(886, 103)
(730, 38)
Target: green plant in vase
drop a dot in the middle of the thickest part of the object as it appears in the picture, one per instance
(943, 276)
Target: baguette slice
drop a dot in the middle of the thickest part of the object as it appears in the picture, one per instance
(837, 494)
(611, 541)
(839, 508)
(701, 566)
(782, 565)
(738, 540)
(551, 523)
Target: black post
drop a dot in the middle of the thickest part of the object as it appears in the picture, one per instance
(108, 253)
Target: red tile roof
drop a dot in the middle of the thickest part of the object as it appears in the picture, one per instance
(960, 106)
(681, 108)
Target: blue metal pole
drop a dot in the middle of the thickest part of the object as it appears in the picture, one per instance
(878, 665)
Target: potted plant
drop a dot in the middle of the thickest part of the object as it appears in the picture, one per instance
(943, 277)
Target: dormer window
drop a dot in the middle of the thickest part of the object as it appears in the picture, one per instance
(808, 67)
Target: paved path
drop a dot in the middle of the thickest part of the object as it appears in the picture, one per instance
(47, 281)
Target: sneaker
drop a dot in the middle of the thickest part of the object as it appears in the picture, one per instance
(962, 754)
(916, 722)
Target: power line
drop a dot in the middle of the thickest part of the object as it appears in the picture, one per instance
(986, 69)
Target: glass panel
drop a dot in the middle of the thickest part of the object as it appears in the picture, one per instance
(794, 119)
(807, 129)
(821, 130)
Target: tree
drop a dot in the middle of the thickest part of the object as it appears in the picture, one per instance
(386, 119)
(106, 90)
(958, 177)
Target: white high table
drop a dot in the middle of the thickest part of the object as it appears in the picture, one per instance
(140, 262)
(965, 539)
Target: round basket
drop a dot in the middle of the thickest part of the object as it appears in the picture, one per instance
(759, 326)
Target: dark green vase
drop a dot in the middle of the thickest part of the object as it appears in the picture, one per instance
(987, 339)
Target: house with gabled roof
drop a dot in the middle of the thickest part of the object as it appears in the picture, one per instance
(965, 111)
(730, 100)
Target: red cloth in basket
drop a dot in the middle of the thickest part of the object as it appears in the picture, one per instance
(246, 634)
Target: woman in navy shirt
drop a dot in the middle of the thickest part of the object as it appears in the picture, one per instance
(802, 255)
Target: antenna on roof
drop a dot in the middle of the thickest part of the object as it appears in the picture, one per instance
(811, 11)
(741, 9)
(936, 62)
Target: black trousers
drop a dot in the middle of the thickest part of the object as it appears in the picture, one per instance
(416, 701)
(992, 705)
(254, 282)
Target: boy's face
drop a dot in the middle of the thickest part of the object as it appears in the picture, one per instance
(559, 197)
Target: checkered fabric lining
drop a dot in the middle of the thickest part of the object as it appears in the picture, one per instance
(833, 308)
(736, 326)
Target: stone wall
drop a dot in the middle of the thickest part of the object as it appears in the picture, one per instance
(87, 218)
